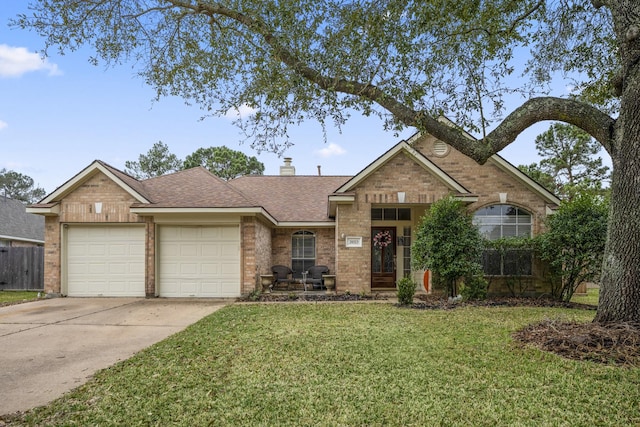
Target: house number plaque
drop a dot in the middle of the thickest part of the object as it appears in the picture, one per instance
(353, 242)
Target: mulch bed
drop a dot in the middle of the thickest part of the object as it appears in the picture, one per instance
(294, 296)
(435, 302)
(608, 343)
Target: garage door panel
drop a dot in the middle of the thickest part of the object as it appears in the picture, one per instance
(105, 261)
(188, 250)
(96, 268)
(197, 261)
(211, 249)
(118, 268)
(228, 268)
(229, 233)
(210, 268)
(189, 268)
(95, 249)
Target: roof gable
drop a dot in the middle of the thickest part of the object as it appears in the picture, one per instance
(503, 164)
(416, 156)
(129, 184)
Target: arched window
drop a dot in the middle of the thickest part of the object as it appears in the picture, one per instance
(303, 252)
(501, 221)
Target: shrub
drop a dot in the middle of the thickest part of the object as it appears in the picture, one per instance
(574, 242)
(448, 244)
(474, 288)
(254, 295)
(406, 290)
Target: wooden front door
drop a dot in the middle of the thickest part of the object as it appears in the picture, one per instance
(383, 257)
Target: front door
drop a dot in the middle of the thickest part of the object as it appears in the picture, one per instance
(383, 257)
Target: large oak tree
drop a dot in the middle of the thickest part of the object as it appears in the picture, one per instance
(408, 61)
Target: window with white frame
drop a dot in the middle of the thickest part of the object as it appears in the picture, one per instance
(503, 221)
(303, 252)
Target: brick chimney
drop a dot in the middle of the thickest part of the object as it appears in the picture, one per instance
(287, 169)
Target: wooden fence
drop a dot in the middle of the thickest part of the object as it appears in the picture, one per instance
(22, 268)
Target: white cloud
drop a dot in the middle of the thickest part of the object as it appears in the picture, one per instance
(243, 111)
(3, 124)
(331, 150)
(16, 61)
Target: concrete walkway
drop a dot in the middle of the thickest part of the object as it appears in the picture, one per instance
(51, 346)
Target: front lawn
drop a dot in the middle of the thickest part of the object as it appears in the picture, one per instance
(353, 364)
(591, 297)
(16, 297)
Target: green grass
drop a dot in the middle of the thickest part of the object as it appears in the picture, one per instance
(590, 298)
(353, 364)
(12, 297)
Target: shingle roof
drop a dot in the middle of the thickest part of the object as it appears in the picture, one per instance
(285, 198)
(16, 223)
(135, 184)
(296, 198)
(192, 188)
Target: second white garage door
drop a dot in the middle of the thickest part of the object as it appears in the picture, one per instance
(199, 261)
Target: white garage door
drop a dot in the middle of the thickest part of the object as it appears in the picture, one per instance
(199, 261)
(105, 261)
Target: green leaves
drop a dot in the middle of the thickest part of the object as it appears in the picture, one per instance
(570, 158)
(448, 243)
(224, 162)
(308, 59)
(574, 242)
(19, 187)
(158, 161)
(220, 161)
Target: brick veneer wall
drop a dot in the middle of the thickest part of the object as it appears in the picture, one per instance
(256, 253)
(486, 181)
(78, 206)
(150, 254)
(422, 187)
(401, 173)
(52, 255)
(263, 250)
(325, 246)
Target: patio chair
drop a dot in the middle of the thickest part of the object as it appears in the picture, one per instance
(282, 274)
(315, 275)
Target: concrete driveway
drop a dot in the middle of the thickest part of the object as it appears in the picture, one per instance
(51, 346)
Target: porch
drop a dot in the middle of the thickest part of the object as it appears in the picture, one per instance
(327, 286)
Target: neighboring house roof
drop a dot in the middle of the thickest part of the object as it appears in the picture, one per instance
(295, 198)
(17, 224)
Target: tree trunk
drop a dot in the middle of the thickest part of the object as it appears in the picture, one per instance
(620, 286)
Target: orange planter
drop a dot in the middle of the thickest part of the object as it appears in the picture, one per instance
(425, 280)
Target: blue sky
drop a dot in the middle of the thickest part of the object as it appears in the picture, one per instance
(58, 115)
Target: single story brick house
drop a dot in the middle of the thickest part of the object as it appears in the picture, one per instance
(191, 234)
